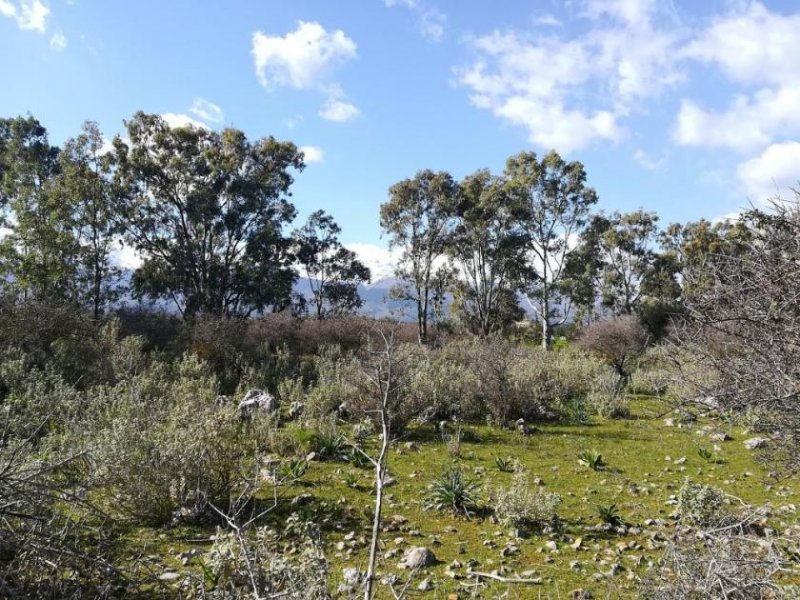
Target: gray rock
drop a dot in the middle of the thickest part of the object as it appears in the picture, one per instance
(754, 443)
(352, 576)
(256, 401)
(417, 557)
(426, 585)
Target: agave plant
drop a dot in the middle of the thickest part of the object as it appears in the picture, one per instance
(592, 459)
(293, 469)
(454, 491)
(505, 465)
(609, 514)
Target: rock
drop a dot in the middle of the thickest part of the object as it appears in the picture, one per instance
(576, 544)
(719, 436)
(669, 422)
(417, 557)
(426, 585)
(353, 577)
(296, 409)
(342, 411)
(169, 576)
(680, 461)
(754, 443)
(257, 401)
(312, 456)
(509, 550)
(580, 594)
(522, 427)
(302, 499)
(390, 579)
(550, 546)
(411, 446)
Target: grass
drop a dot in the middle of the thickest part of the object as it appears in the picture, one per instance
(641, 451)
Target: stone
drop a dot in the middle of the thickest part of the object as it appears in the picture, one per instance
(352, 577)
(256, 401)
(169, 576)
(580, 594)
(522, 427)
(550, 546)
(754, 443)
(719, 436)
(417, 557)
(426, 585)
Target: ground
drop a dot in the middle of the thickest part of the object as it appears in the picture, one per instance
(647, 462)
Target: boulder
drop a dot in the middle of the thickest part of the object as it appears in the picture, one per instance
(417, 557)
(256, 401)
(522, 427)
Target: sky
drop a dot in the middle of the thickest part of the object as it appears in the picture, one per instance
(690, 109)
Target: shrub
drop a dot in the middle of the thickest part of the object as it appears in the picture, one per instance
(521, 505)
(452, 490)
(256, 564)
(620, 342)
(700, 504)
(164, 448)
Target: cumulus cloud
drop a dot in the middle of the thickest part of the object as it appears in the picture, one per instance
(431, 23)
(338, 111)
(773, 172)
(305, 59)
(312, 154)
(569, 92)
(207, 111)
(29, 14)
(757, 49)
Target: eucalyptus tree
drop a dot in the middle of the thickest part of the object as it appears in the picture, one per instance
(557, 202)
(85, 183)
(334, 273)
(207, 210)
(39, 251)
(488, 247)
(418, 217)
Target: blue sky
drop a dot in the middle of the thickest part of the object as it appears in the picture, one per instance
(686, 108)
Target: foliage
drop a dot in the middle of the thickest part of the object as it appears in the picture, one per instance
(609, 514)
(333, 271)
(452, 490)
(521, 505)
(418, 217)
(206, 209)
(557, 203)
(700, 504)
(256, 565)
(591, 459)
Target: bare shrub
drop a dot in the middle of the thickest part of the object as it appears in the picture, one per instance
(741, 346)
(620, 342)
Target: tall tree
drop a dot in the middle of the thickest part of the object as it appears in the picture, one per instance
(488, 247)
(84, 182)
(419, 219)
(631, 267)
(558, 202)
(39, 252)
(206, 210)
(334, 273)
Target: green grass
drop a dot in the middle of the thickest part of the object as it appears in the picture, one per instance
(639, 479)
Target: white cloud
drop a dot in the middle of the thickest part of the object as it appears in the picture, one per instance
(548, 20)
(380, 261)
(431, 23)
(646, 161)
(751, 45)
(182, 120)
(338, 111)
(302, 58)
(313, 154)
(207, 111)
(29, 14)
(774, 172)
(571, 92)
(58, 43)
